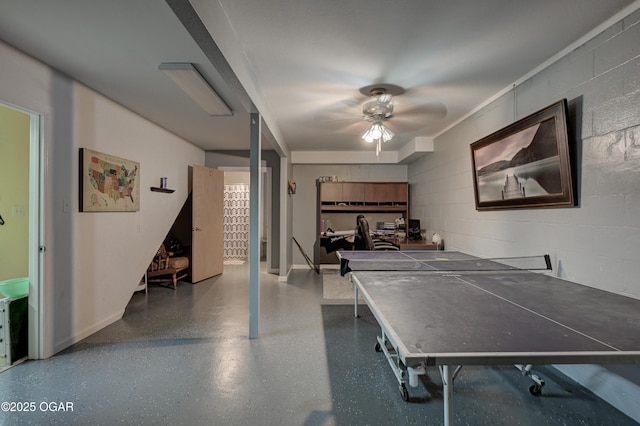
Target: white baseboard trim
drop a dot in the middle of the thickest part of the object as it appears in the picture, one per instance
(63, 344)
(322, 266)
(284, 278)
(301, 266)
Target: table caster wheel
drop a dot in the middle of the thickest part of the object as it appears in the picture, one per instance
(404, 393)
(378, 347)
(535, 390)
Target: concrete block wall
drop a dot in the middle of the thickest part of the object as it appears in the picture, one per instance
(596, 243)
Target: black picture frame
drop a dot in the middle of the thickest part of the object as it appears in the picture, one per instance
(526, 164)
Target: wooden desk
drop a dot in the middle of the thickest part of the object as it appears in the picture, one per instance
(408, 244)
(333, 243)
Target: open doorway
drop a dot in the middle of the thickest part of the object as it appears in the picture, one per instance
(236, 240)
(20, 208)
(236, 218)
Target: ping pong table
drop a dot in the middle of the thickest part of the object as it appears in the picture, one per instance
(448, 309)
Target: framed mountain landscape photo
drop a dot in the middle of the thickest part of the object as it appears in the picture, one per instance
(108, 183)
(527, 164)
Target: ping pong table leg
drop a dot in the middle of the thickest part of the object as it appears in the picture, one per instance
(447, 390)
(526, 370)
(355, 298)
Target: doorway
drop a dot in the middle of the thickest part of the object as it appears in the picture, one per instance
(20, 208)
(236, 180)
(236, 218)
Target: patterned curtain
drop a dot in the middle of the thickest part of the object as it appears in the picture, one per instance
(236, 222)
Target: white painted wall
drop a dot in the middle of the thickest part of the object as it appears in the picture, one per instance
(305, 198)
(93, 261)
(596, 243)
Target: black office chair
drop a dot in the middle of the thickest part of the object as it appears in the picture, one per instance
(364, 241)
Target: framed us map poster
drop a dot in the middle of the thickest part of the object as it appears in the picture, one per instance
(108, 183)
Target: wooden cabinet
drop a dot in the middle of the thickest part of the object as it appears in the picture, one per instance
(364, 197)
(331, 192)
(353, 192)
(387, 194)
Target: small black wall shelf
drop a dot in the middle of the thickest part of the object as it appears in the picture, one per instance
(165, 190)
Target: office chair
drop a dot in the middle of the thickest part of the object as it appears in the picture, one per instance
(364, 241)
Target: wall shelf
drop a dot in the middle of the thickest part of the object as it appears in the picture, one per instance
(165, 190)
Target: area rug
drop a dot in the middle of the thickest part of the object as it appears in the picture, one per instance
(234, 262)
(337, 290)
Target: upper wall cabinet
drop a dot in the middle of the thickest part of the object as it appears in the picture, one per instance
(364, 196)
(387, 193)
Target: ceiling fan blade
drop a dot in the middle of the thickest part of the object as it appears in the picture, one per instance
(355, 129)
(422, 100)
(424, 109)
(406, 123)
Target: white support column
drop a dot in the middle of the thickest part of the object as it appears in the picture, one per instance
(254, 226)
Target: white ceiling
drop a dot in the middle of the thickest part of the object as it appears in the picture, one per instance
(301, 63)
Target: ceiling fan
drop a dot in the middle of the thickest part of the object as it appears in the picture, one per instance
(377, 111)
(401, 111)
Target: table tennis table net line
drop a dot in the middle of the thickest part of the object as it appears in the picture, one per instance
(428, 262)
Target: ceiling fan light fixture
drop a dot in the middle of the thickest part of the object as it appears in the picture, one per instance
(377, 111)
(378, 132)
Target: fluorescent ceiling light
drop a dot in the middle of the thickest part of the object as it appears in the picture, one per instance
(193, 84)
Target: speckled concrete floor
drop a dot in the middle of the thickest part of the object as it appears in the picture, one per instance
(183, 357)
